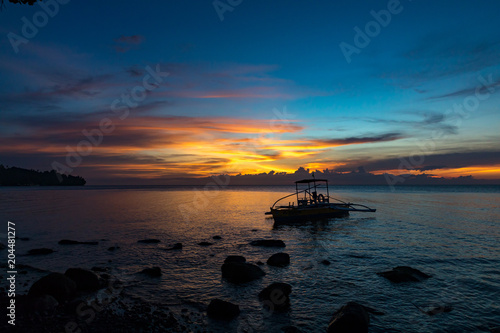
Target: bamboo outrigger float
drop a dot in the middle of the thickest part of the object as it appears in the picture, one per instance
(313, 202)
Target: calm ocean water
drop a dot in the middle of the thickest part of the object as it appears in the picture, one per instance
(451, 233)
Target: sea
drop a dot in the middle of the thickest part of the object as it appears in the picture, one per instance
(449, 232)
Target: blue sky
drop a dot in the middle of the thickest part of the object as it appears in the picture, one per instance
(231, 81)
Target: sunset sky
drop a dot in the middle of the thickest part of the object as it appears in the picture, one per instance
(117, 91)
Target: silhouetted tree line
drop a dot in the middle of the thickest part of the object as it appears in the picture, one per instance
(14, 176)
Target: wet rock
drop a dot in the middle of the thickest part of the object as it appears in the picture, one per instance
(35, 252)
(268, 243)
(404, 274)
(236, 272)
(219, 309)
(279, 259)
(149, 241)
(84, 279)
(217, 237)
(113, 248)
(260, 263)
(58, 285)
(350, 318)
(43, 304)
(205, 243)
(239, 259)
(276, 295)
(177, 246)
(73, 242)
(152, 271)
(325, 262)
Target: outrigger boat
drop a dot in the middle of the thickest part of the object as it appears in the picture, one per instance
(313, 202)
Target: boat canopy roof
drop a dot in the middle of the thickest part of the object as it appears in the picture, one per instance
(306, 181)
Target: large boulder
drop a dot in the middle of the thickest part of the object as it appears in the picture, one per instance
(84, 279)
(404, 274)
(268, 243)
(219, 309)
(350, 318)
(58, 285)
(236, 272)
(276, 296)
(279, 259)
(239, 259)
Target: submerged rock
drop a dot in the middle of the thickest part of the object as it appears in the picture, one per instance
(34, 252)
(149, 241)
(236, 272)
(279, 259)
(325, 262)
(73, 242)
(177, 246)
(205, 243)
(239, 259)
(268, 243)
(276, 295)
(152, 271)
(223, 310)
(404, 274)
(58, 285)
(350, 318)
(84, 279)
(216, 237)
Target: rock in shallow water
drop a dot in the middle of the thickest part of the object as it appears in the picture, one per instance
(205, 243)
(177, 246)
(152, 271)
(404, 274)
(34, 252)
(268, 243)
(84, 279)
(236, 272)
(149, 241)
(58, 285)
(350, 318)
(223, 310)
(279, 259)
(276, 295)
(73, 242)
(239, 259)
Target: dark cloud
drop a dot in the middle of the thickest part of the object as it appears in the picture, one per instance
(427, 162)
(359, 140)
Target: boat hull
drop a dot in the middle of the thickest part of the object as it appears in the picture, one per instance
(292, 214)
